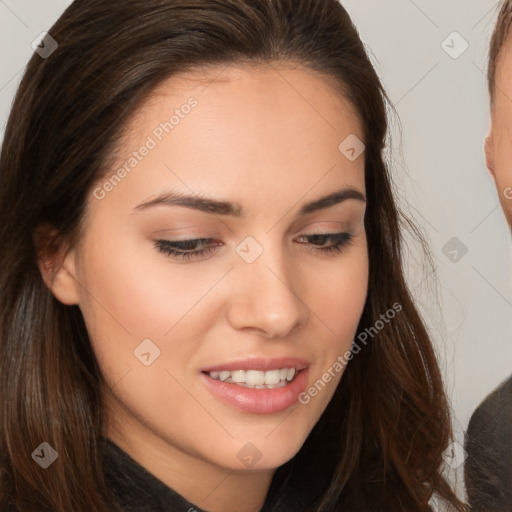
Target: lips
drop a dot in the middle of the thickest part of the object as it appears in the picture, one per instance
(260, 364)
(257, 385)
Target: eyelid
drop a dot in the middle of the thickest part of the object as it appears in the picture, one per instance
(304, 232)
(160, 232)
(172, 247)
(327, 226)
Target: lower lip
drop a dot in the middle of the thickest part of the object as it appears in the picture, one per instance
(258, 401)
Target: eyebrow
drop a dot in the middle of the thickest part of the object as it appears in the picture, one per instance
(213, 206)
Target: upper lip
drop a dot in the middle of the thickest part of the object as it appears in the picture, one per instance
(259, 363)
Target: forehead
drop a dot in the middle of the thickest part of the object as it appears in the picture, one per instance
(249, 86)
(251, 134)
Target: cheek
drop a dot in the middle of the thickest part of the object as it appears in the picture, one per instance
(503, 179)
(135, 288)
(339, 305)
(126, 298)
(343, 296)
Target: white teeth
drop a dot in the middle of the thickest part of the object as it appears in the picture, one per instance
(272, 377)
(256, 379)
(238, 376)
(222, 375)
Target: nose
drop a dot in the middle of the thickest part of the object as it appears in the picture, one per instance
(267, 296)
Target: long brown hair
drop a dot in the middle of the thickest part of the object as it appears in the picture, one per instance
(379, 444)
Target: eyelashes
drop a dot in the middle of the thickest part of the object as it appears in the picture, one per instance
(202, 247)
(183, 249)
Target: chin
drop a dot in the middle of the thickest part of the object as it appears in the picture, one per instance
(257, 453)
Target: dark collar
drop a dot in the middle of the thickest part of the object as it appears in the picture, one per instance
(136, 489)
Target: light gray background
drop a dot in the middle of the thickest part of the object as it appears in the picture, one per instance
(442, 103)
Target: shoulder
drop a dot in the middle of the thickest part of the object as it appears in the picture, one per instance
(495, 410)
(488, 467)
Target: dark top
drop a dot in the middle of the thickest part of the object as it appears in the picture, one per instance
(137, 490)
(488, 467)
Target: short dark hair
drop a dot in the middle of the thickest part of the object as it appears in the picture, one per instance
(499, 37)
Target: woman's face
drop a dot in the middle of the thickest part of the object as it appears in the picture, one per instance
(178, 337)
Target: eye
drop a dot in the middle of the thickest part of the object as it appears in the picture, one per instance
(201, 247)
(184, 249)
(339, 242)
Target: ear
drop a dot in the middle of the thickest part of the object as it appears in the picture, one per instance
(489, 154)
(56, 264)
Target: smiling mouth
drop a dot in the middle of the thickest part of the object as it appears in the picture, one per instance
(256, 379)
